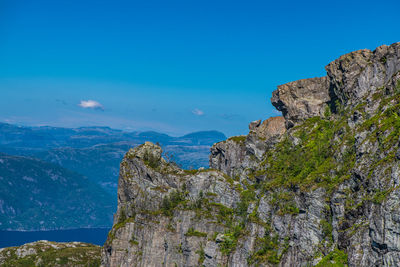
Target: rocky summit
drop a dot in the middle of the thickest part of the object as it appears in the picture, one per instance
(316, 187)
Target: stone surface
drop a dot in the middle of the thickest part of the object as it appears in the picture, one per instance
(333, 198)
(350, 79)
(301, 99)
(359, 73)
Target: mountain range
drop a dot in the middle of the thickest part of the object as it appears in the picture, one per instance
(51, 177)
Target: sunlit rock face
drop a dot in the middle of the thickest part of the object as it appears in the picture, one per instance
(300, 100)
(318, 186)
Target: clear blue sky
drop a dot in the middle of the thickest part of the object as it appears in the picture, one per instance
(172, 66)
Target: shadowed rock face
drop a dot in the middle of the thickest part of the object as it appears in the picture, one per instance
(323, 192)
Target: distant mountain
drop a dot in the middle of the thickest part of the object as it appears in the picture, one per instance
(90, 154)
(38, 195)
(34, 139)
(203, 138)
(100, 163)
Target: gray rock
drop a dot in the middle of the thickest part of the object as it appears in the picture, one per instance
(300, 100)
(349, 205)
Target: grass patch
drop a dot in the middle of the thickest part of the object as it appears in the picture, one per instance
(192, 232)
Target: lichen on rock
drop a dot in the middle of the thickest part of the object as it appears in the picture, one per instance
(318, 186)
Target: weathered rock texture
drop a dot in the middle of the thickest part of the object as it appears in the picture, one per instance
(362, 72)
(300, 100)
(319, 187)
(238, 154)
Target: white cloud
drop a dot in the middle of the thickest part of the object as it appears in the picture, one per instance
(198, 112)
(91, 104)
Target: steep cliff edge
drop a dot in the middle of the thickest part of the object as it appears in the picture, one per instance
(320, 186)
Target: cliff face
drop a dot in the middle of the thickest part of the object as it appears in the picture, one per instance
(319, 186)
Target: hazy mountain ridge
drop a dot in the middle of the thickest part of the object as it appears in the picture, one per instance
(38, 195)
(45, 138)
(94, 153)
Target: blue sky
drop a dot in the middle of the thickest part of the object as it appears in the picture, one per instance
(172, 66)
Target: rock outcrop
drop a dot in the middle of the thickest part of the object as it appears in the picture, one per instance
(319, 187)
(360, 73)
(350, 79)
(46, 253)
(238, 154)
(300, 100)
(149, 229)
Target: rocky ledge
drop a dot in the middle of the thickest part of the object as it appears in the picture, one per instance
(318, 187)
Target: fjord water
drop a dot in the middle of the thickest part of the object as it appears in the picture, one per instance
(95, 236)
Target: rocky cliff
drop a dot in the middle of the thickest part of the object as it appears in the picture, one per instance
(319, 186)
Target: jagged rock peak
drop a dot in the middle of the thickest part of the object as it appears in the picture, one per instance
(356, 74)
(146, 151)
(301, 99)
(349, 79)
(236, 154)
(271, 127)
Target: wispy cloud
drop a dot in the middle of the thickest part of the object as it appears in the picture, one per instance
(91, 104)
(198, 112)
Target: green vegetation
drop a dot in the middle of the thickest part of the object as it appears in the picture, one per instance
(309, 163)
(192, 172)
(81, 255)
(202, 255)
(151, 160)
(327, 112)
(319, 153)
(327, 229)
(336, 258)
(284, 203)
(196, 171)
(133, 240)
(380, 196)
(246, 197)
(268, 248)
(121, 223)
(238, 139)
(192, 232)
(230, 238)
(170, 202)
(171, 228)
